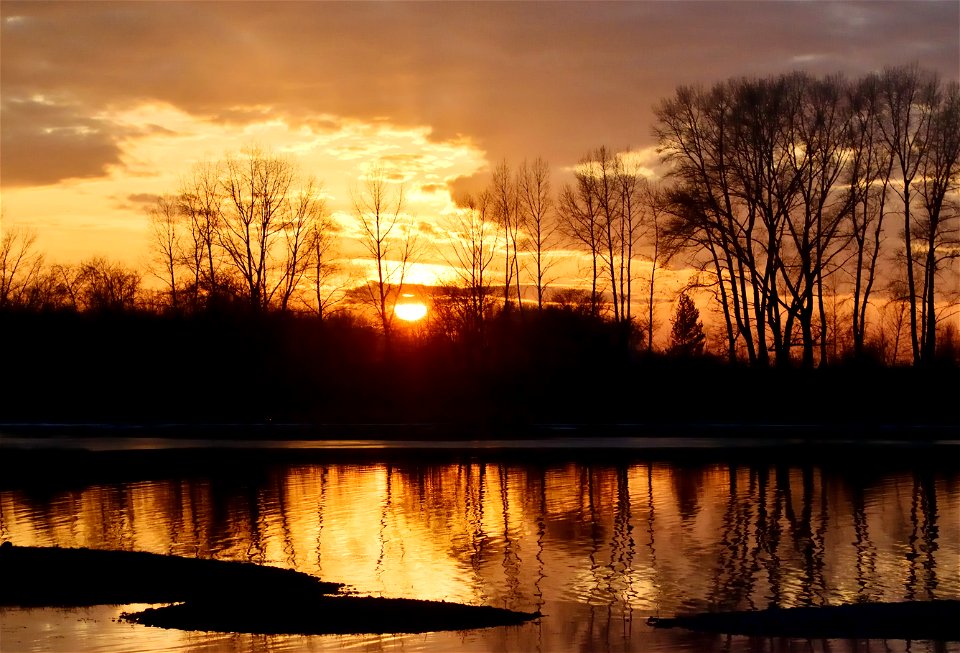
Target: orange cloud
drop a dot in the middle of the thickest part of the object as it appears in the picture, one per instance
(105, 103)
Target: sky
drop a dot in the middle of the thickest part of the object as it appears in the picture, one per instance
(106, 105)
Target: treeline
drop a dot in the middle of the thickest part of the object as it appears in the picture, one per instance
(793, 189)
(549, 367)
(819, 214)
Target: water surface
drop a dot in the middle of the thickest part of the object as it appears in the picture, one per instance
(597, 547)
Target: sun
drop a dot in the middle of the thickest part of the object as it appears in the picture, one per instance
(410, 311)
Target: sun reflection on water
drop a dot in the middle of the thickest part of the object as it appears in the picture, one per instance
(575, 541)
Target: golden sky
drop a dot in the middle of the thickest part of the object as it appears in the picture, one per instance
(107, 104)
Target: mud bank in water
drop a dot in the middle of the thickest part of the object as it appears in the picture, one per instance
(214, 595)
(911, 620)
(341, 615)
(50, 576)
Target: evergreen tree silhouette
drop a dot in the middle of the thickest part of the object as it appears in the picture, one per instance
(686, 336)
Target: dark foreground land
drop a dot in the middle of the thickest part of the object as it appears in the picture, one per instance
(911, 620)
(39, 576)
(558, 367)
(221, 596)
(327, 615)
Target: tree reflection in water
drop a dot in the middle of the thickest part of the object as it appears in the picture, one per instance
(597, 548)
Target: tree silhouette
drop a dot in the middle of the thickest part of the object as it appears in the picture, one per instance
(938, 225)
(19, 265)
(659, 250)
(267, 216)
(241, 228)
(465, 304)
(164, 218)
(580, 223)
(908, 97)
(107, 286)
(201, 202)
(506, 207)
(537, 219)
(869, 174)
(324, 274)
(387, 236)
(686, 337)
(782, 182)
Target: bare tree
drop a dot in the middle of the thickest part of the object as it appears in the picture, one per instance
(323, 273)
(908, 97)
(255, 218)
(894, 320)
(246, 227)
(165, 230)
(817, 119)
(202, 200)
(602, 165)
(758, 165)
(473, 246)
(536, 218)
(107, 286)
(603, 212)
(870, 167)
(388, 237)
(19, 265)
(581, 224)
(306, 217)
(504, 198)
(695, 134)
(630, 184)
(659, 250)
(937, 227)
(69, 284)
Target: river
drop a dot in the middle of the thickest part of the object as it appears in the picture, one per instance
(597, 545)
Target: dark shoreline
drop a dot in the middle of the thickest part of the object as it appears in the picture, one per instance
(458, 431)
(58, 462)
(326, 615)
(53, 576)
(937, 620)
(224, 596)
(279, 372)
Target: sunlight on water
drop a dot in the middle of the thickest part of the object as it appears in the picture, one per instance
(596, 548)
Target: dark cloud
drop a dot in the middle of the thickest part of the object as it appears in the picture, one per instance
(143, 198)
(518, 79)
(428, 228)
(43, 142)
(136, 202)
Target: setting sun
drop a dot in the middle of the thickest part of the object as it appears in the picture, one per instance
(410, 312)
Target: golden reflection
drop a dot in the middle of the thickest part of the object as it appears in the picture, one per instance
(581, 542)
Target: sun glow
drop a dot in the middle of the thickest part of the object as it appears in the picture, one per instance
(100, 210)
(410, 311)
